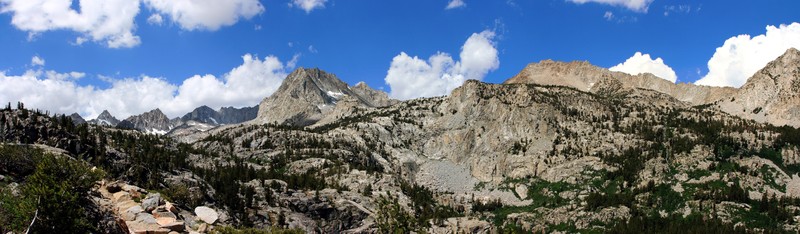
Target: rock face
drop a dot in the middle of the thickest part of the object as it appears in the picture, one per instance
(587, 77)
(231, 115)
(105, 119)
(77, 119)
(153, 121)
(306, 95)
(226, 115)
(771, 95)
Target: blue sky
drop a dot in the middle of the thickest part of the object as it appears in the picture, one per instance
(358, 40)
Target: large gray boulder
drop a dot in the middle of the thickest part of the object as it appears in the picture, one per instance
(206, 214)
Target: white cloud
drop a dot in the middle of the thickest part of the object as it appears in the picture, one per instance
(681, 9)
(455, 4)
(109, 21)
(155, 19)
(37, 61)
(112, 22)
(245, 85)
(293, 62)
(411, 77)
(642, 63)
(308, 5)
(608, 15)
(742, 56)
(206, 14)
(633, 5)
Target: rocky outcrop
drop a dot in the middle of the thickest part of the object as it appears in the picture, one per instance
(307, 95)
(105, 119)
(153, 121)
(153, 214)
(771, 95)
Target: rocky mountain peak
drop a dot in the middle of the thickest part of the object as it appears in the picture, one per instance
(308, 93)
(771, 94)
(203, 114)
(105, 119)
(77, 119)
(782, 71)
(361, 85)
(153, 121)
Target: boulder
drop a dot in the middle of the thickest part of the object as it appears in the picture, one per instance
(206, 214)
(151, 202)
(131, 213)
(522, 191)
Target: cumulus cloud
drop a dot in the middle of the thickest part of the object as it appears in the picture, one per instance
(642, 63)
(742, 56)
(308, 5)
(110, 21)
(206, 15)
(245, 85)
(412, 77)
(155, 19)
(633, 5)
(37, 61)
(455, 4)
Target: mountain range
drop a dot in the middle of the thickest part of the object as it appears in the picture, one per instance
(562, 147)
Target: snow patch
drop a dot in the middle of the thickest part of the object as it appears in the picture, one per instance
(156, 131)
(336, 95)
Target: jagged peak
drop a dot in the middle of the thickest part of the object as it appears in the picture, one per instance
(155, 111)
(203, 108)
(308, 72)
(788, 61)
(361, 85)
(792, 50)
(791, 54)
(105, 113)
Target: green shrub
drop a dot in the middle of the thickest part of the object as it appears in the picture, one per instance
(55, 194)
